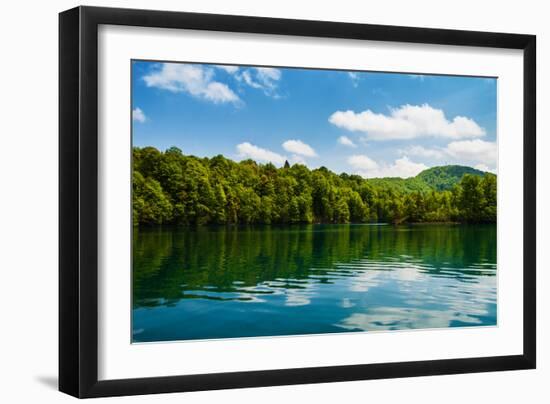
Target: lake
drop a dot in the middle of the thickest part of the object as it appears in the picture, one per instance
(225, 282)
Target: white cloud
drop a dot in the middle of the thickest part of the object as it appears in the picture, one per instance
(247, 77)
(300, 148)
(362, 162)
(407, 122)
(421, 151)
(478, 153)
(229, 69)
(219, 92)
(346, 141)
(402, 167)
(138, 115)
(474, 151)
(354, 77)
(482, 167)
(262, 78)
(267, 74)
(195, 80)
(368, 168)
(248, 150)
(296, 159)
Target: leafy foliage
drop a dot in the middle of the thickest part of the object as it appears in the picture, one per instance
(170, 187)
(445, 177)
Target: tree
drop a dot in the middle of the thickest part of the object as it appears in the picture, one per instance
(489, 185)
(150, 205)
(471, 198)
(358, 211)
(341, 211)
(219, 205)
(249, 205)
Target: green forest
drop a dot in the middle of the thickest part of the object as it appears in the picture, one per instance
(172, 188)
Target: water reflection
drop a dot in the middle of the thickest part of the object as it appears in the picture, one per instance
(223, 282)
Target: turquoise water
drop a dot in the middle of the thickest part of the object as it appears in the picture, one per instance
(224, 282)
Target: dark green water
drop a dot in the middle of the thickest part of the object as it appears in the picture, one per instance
(223, 282)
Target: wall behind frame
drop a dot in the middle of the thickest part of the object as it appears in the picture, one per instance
(28, 206)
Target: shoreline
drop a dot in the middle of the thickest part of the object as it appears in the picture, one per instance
(234, 225)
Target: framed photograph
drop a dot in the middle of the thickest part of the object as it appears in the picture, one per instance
(251, 201)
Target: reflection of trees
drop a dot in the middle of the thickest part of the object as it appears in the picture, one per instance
(168, 261)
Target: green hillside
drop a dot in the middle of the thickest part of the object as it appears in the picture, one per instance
(396, 184)
(436, 178)
(445, 177)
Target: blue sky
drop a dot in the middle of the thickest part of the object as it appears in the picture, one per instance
(369, 123)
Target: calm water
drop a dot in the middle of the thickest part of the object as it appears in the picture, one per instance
(222, 282)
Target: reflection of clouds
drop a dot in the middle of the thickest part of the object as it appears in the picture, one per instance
(386, 294)
(347, 303)
(250, 298)
(296, 297)
(370, 273)
(471, 298)
(255, 294)
(397, 318)
(420, 298)
(365, 280)
(408, 274)
(300, 296)
(296, 292)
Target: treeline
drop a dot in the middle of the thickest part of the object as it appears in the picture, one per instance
(172, 188)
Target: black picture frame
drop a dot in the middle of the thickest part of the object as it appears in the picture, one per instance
(78, 201)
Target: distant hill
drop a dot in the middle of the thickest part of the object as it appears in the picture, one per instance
(439, 178)
(445, 177)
